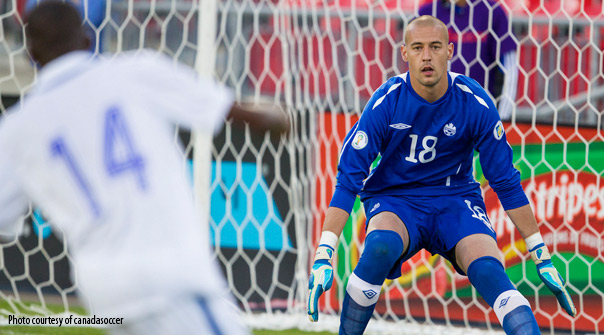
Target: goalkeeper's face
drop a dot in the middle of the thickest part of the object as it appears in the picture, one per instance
(427, 50)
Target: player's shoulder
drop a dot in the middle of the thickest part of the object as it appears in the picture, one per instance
(149, 65)
(141, 55)
(395, 83)
(392, 85)
(471, 91)
(388, 91)
(140, 60)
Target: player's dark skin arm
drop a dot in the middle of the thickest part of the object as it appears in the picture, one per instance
(262, 121)
(524, 220)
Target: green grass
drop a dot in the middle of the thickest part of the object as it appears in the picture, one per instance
(56, 309)
(288, 332)
(27, 330)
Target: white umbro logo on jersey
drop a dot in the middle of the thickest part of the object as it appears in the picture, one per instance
(376, 206)
(449, 129)
(400, 126)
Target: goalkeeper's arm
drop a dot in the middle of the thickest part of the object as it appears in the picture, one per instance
(524, 220)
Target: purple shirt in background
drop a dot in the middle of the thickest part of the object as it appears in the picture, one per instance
(485, 40)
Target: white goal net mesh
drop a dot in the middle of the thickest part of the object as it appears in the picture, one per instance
(321, 60)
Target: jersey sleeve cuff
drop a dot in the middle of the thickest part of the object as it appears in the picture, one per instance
(343, 199)
(512, 198)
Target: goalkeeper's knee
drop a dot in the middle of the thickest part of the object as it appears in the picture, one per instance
(382, 249)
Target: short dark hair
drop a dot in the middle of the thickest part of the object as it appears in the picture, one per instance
(52, 29)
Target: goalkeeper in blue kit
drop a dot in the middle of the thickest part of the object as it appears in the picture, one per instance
(424, 126)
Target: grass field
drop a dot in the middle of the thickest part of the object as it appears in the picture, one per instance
(57, 309)
(27, 330)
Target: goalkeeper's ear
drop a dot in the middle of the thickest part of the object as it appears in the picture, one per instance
(270, 118)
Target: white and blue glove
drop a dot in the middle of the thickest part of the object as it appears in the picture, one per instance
(321, 274)
(548, 273)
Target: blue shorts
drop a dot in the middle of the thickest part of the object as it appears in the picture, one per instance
(436, 224)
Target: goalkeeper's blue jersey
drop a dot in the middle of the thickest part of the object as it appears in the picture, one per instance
(426, 148)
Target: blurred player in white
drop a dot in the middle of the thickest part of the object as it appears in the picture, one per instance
(93, 146)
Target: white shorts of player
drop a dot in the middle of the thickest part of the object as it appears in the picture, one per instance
(214, 316)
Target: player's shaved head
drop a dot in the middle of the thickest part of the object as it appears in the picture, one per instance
(426, 21)
(54, 29)
(427, 51)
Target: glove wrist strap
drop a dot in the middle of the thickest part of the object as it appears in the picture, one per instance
(327, 245)
(533, 241)
(329, 239)
(539, 252)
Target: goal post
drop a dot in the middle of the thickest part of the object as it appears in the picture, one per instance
(205, 61)
(265, 198)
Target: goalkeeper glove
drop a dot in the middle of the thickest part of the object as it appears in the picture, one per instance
(321, 274)
(548, 273)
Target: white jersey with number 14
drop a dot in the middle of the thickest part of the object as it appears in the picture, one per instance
(93, 146)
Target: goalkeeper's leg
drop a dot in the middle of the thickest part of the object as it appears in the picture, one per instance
(382, 250)
(487, 275)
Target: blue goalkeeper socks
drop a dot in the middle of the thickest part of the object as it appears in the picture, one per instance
(520, 321)
(512, 309)
(358, 305)
(382, 249)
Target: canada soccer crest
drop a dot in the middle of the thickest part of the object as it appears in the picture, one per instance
(449, 129)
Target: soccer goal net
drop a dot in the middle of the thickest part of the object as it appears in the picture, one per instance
(320, 61)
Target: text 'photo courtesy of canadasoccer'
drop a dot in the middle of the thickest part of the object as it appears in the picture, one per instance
(62, 320)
